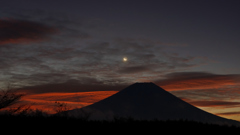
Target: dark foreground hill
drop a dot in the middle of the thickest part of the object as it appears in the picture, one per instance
(147, 101)
(57, 124)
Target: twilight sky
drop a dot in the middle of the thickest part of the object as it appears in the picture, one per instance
(67, 50)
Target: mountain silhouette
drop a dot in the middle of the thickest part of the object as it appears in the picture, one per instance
(147, 101)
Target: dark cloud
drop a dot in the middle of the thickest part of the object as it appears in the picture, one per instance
(83, 85)
(139, 52)
(100, 60)
(134, 69)
(188, 75)
(21, 31)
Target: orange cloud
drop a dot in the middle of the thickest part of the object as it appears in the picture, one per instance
(223, 108)
(72, 85)
(197, 80)
(46, 101)
(214, 103)
(230, 115)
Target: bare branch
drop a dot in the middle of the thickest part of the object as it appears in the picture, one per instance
(61, 108)
(8, 98)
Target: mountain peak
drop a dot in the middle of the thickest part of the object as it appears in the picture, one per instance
(140, 86)
(143, 85)
(143, 90)
(147, 101)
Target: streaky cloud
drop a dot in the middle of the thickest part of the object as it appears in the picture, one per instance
(13, 31)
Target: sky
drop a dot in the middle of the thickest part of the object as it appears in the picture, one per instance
(72, 50)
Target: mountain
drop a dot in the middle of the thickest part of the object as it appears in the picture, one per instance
(147, 101)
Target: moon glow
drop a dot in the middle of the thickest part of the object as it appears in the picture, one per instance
(125, 59)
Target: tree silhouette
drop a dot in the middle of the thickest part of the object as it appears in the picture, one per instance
(8, 98)
(61, 108)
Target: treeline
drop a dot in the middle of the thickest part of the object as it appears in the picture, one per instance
(60, 124)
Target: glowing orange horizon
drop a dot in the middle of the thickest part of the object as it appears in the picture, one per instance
(46, 101)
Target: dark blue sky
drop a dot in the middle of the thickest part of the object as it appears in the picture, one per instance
(51, 45)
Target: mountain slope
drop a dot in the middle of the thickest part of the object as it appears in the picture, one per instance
(147, 101)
